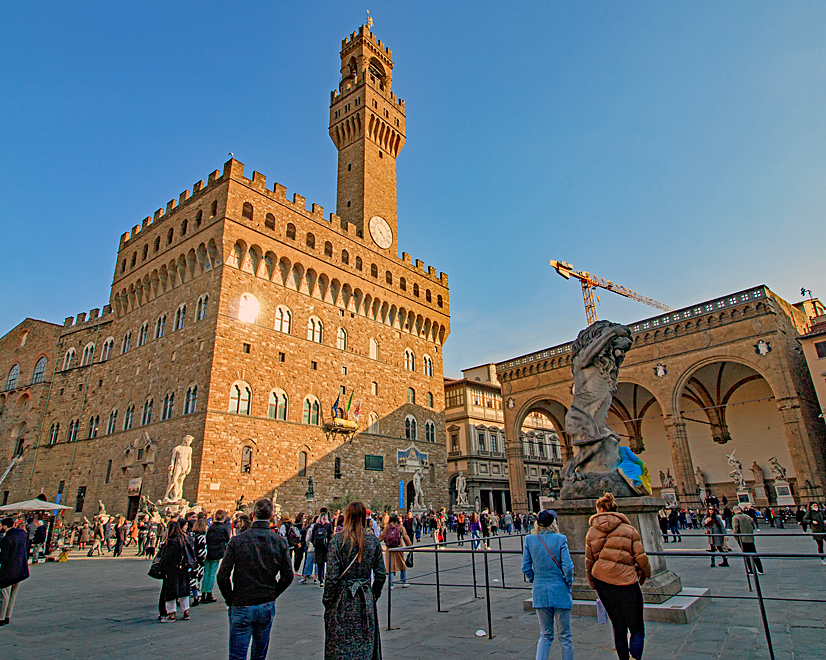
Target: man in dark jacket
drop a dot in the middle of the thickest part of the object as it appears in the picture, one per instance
(217, 537)
(14, 566)
(255, 571)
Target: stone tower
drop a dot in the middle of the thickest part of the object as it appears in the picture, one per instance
(367, 127)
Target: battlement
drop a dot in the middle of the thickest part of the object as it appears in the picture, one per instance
(337, 95)
(94, 316)
(234, 169)
(364, 33)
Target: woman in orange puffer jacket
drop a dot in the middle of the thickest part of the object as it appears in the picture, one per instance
(617, 565)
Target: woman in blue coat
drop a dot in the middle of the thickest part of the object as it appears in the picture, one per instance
(547, 564)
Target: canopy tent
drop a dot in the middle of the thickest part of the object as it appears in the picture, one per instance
(33, 505)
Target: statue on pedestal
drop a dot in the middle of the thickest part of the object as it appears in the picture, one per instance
(778, 470)
(461, 490)
(666, 480)
(757, 471)
(737, 472)
(700, 479)
(596, 356)
(418, 501)
(179, 467)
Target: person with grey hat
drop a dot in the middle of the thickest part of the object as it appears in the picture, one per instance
(546, 562)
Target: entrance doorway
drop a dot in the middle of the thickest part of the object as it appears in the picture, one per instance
(132, 509)
(411, 495)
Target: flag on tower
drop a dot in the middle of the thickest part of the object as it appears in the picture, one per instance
(356, 413)
(348, 405)
(335, 406)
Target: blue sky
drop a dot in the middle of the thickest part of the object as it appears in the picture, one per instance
(676, 148)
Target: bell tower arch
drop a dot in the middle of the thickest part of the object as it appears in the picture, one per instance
(367, 127)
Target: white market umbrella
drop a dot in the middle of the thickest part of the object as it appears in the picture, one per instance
(33, 505)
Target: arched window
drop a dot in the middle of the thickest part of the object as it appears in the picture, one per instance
(94, 421)
(345, 257)
(374, 349)
(128, 417)
(277, 408)
(239, 399)
(74, 425)
(427, 295)
(429, 431)
(201, 310)
(415, 289)
(410, 427)
(269, 221)
(283, 319)
(143, 333)
(311, 411)
(146, 416)
(53, 432)
(144, 252)
(328, 249)
(358, 263)
(168, 406)
(88, 355)
(341, 339)
(439, 301)
(246, 211)
(237, 255)
(310, 241)
(427, 363)
(112, 423)
(315, 330)
(246, 460)
(198, 216)
(134, 259)
(160, 326)
(180, 317)
(127, 339)
(170, 235)
(39, 371)
(184, 225)
(388, 277)
(108, 346)
(11, 381)
(191, 400)
(123, 266)
(411, 395)
(429, 399)
(409, 360)
(68, 361)
(302, 464)
(291, 231)
(373, 424)
(214, 210)
(374, 270)
(403, 284)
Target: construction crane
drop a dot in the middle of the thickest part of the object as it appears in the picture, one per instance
(590, 282)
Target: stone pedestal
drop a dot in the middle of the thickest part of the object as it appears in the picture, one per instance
(574, 516)
(760, 497)
(784, 493)
(416, 510)
(744, 496)
(670, 497)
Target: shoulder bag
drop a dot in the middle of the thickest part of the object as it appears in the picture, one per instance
(156, 569)
(550, 554)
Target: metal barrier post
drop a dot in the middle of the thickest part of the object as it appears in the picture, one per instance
(487, 595)
(502, 561)
(389, 590)
(473, 561)
(438, 586)
(763, 614)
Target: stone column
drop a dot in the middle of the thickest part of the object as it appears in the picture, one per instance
(800, 449)
(504, 502)
(516, 477)
(681, 460)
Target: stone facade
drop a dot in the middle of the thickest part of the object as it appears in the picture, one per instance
(723, 375)
(225, 305)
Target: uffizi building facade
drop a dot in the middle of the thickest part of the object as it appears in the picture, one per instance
(476, 443)
(239, 316)
(725, 376)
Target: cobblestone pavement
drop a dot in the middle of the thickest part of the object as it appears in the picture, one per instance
(105, 607)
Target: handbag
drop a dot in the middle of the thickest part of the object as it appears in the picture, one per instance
(408, 560)
(602, 613)
(156, 569)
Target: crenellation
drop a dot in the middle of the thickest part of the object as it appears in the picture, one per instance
(258, 180)
(170, 205)
(107, 309)
(158, 214)
(406, 257)
(136, 230)
(94, 313)
(147, 222)
(299, 201)
(318, 210)
(68, 321)
(213, 177)
(198, 186)
(80, 318)
(183, 197)
(420, 265)
(280, 192)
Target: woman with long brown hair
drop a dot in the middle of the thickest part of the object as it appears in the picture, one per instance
(175, 587)
(351, 621)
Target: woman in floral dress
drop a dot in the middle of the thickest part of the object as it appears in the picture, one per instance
(351, 621)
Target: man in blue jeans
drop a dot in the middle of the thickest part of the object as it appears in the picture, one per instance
(255, 571)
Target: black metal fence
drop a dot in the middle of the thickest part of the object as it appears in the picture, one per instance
(485, 552)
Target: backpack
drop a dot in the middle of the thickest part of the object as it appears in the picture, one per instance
(293, 536)
(320, 535)
(188, 559)
(393, 537)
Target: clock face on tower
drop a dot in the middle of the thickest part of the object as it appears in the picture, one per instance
(381, 232)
